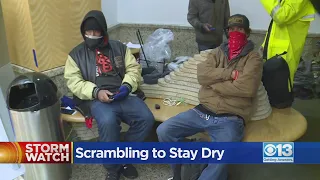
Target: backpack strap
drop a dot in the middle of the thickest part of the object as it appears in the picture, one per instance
(265, 49)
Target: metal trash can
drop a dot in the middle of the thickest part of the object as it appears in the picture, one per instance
(34, 106)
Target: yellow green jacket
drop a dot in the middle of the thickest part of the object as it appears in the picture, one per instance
(291, 22)
(81, 81)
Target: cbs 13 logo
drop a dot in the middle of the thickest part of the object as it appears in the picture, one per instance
(278, 149)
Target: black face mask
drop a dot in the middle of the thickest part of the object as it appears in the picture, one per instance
(93, 43)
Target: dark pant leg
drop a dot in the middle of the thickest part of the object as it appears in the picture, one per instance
(138, 116)
(178, 127)
(222, 129)
(107, 118)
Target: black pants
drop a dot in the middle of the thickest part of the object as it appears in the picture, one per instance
(202, 47)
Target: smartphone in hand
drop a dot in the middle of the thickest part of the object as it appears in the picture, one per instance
(68, 111)
(111, 97)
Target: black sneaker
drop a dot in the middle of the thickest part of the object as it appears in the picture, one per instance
(129, 171)
(113, 176)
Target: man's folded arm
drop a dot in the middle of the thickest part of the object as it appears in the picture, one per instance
(78, 86)
(209, 74)
(248, 81)
(133, 71)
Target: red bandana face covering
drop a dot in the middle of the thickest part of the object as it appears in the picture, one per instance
(237, 41)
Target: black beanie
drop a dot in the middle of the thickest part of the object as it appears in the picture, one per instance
(91, 24)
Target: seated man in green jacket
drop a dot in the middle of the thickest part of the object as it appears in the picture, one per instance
(102, 73)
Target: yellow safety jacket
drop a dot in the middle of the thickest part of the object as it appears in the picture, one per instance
(291, 22)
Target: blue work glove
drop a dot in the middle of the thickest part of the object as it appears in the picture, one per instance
(124, 91)
(66, 101)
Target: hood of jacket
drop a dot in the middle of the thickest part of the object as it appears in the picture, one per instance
(98, 15)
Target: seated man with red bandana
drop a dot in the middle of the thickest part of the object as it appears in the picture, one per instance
(229, 79)
(103, 75)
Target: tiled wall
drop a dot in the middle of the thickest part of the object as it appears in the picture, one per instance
(182, 45)
(184, 38)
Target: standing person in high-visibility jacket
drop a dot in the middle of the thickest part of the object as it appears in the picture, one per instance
(291, 22)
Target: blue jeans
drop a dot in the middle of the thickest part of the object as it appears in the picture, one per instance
(132, 111)
(202, 47)
(220, 129)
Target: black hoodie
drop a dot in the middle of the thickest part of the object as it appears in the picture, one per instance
(86, 58)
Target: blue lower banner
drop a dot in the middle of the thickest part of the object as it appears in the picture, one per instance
(195, 152)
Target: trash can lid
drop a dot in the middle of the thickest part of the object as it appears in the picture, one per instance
(31, 92)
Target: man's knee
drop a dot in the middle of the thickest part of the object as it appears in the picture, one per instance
(147, 119)
(163, 131)
(110, 122)
(104, 117)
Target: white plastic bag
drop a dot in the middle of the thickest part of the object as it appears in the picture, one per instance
(157, 49)
(179, 60)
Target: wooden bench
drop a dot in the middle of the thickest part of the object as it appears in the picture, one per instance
(282, 125)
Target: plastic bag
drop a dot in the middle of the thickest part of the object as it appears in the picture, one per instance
(157, 49)
(304, 76)
(176, 63)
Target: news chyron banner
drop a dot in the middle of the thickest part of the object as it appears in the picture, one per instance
(35, 152)
(159, 153)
